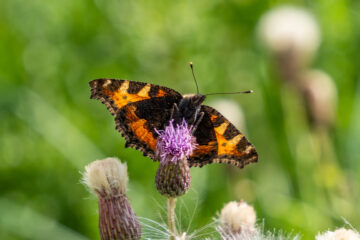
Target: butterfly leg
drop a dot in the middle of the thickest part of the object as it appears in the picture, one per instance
(174, 109)
(197, 122)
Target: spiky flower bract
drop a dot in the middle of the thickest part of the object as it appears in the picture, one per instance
(175, 144)
(108, 179)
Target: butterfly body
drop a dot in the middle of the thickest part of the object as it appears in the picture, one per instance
(140, 108)
(189, 108)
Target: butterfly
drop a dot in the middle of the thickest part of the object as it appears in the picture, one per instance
(141, 108)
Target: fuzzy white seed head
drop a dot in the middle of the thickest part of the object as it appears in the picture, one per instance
(107, 177)
(238, 217)
(290, 28)
(339, 234)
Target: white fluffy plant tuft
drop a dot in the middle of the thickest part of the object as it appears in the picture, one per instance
(237, 221)
(107, 177)
(237, 218)
(339, 234)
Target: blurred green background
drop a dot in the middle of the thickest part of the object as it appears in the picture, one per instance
(307, 177)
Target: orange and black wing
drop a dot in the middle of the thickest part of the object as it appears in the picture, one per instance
(220, 142)
(138, 107)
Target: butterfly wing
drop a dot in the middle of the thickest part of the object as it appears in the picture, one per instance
(138, 108)
(137, 122)
(219, 141)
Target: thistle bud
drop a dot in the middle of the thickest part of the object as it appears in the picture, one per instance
(339, 234)
(173, 179)
(108, 180)
(237, 219)
(174, 145)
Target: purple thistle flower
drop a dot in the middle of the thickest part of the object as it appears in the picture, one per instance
(175, 143)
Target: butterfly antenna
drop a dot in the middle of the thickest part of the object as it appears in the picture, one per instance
(249, 91)
(192, 70)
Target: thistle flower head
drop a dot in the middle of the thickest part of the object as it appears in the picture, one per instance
(339, 234)
(238, 218)
(175, 142)
(106, 178)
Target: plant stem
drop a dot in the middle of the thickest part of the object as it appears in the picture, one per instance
(171, 217)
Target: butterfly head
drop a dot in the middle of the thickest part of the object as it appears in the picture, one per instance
(189, 108)
(195, 99)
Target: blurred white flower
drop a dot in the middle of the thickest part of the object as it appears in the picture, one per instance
(290, 29)
(320, 94)
(339, 234)
(232, 111)
(237, 218)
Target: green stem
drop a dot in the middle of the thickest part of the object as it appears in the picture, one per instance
(171, 217)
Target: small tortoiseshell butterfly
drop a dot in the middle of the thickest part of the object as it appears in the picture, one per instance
(140, 108)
